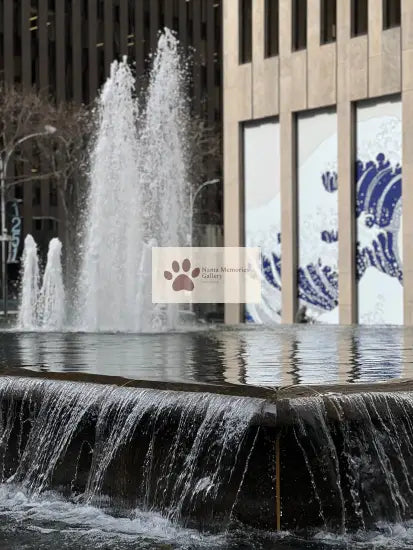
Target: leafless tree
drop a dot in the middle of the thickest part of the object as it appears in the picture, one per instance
(59, 158)
(205, 151)
(65, 156)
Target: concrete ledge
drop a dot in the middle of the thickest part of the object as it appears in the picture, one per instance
(279, 401)
(273, 393)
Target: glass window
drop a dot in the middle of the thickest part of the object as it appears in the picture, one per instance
(271, 28)
(328, 21)
(36, 197)
(391, 14)
(299, 24)
(53, 194)
(245, 31)
(359, 17)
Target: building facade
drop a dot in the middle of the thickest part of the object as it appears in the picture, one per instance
(318, 169)
(65, 48)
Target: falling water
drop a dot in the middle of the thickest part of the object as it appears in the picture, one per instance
(138, 196)
(27, 317)
(164, 451)
(357, 459)
(51, 303)
(346, 461)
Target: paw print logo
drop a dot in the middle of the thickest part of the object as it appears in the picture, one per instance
(183, 281)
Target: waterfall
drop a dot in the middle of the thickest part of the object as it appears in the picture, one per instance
(346, 461)
(352, 460)
(27, 316)
(42, 308)
(138, 196)
(165, 451)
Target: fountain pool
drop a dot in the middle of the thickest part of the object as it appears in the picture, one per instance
(248, 355)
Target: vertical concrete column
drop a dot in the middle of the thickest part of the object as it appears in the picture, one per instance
(61, 23)
(8, 41)
(288, 180)
(108, 34)
(258, 32)
(346, 185)
(77, 50)
(407, 156)
(346, 214)
(92, 49)
(313, 30)
(237, 107)
(289, 241)
(265, 71)
(43, 45)
(257, 54)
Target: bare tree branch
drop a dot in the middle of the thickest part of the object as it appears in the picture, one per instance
(59, 158)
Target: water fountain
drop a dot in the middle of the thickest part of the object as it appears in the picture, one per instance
(138, 196)
(300, 459)
(42, 308)
(51, 302)
(128, 445)
(290, 458)
(27, 318)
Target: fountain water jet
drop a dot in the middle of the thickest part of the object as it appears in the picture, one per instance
(138, 196)
(27, 317)
(111, 247)
(42, 308)
(51, 304)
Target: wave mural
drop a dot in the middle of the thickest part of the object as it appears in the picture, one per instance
(379, 195)
(379, 266)
(379, 261)
(263, 214)
(317, 185)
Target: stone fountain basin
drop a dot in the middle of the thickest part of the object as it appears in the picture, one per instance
(299, 475)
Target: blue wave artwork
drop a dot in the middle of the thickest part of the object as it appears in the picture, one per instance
(378, 200)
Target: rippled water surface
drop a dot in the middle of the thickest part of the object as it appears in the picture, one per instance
(256, 356)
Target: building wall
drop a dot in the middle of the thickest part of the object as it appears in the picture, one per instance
(339, 75)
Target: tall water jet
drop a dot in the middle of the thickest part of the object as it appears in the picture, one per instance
(111, 249)
(27, 316)
(138, 196)
(51, 306)
(163, 160)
